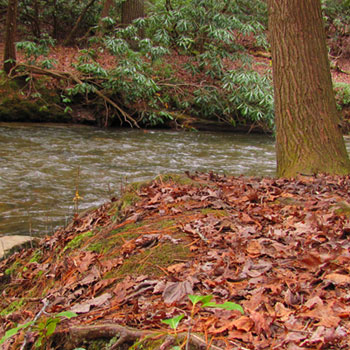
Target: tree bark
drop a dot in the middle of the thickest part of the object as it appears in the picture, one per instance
(106, 8)
(308, 134)
(132, 9)
(10, 36)
(71, 35)
(107, 5)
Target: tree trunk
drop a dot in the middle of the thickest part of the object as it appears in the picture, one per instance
(36, 20)
(132, 9)
(107, 5)
(10, 36)
(106, 8)
(71, 35)
(308, 134)
(54, 20)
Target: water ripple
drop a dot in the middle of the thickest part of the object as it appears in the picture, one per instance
(39, 166)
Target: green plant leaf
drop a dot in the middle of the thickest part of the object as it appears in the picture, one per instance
(11, 332)
(68, 314)
(200, 299)
(174, 322)
(51, 326)
(227, 306)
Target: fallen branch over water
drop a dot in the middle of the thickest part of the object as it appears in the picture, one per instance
(78, 80)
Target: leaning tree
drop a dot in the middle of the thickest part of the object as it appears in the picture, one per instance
(10, 36)
(308, 134)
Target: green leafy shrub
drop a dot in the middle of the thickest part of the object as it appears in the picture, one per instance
(337, 18)
(33, 50)
(342, 93)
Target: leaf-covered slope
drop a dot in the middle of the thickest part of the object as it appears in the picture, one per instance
(279, 248)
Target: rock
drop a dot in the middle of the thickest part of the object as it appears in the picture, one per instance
(8, 242)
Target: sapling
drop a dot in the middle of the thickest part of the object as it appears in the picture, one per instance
(205, 301)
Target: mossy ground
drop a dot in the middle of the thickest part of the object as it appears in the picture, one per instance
(16, 104)
(145, 252)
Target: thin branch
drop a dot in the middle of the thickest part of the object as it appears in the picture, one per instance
(46, 304)
(69, 76)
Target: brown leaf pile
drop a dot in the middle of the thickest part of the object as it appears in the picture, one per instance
(279, 248)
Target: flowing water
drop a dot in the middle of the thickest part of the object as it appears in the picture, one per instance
(41, 166)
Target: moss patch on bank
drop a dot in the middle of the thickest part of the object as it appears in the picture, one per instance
(277, 248)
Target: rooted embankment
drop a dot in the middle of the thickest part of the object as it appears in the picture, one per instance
(278, 248)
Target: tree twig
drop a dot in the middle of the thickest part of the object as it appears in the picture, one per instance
(46, 304)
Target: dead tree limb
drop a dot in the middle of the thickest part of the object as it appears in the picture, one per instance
(70, 76)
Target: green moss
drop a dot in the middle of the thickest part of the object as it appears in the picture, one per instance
(14, 306)
(176, 178)
(342, 208)
(36, 256)
(97, 247)
(126, 228)
(129, 199)
(17, 104)
(10, 270)
(216, 212)
(165, 223)
(77, 241)
(151, 260)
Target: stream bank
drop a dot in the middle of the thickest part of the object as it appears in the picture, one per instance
(44, 164)
(42, 103)
(19, 105)
(277, 248)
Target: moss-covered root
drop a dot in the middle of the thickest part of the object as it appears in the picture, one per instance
(127, 337)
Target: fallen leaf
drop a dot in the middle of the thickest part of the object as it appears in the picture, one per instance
(176, 291)
(85, 307)
(338, 278)
(176, 268)
(244, 323)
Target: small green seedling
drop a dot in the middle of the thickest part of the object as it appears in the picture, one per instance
(48, 326)
(45, 328)
(206, 302)
(13, 331)
(226, 306)
(200, 299)
(174, 321)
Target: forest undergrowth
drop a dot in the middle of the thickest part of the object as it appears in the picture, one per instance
(277, 248)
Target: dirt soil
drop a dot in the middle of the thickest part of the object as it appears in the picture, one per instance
(278, 248)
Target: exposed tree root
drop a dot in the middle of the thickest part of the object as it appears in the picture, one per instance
(340, 70)
(83, 333)
(127, 335)
(71, 77)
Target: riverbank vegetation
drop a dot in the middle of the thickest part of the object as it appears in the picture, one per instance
(225, 262)
(272, 253)
(180, 62)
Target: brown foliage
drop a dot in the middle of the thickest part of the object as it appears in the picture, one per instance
(279, 248)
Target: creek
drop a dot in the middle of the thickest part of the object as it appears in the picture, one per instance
(43, 165)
